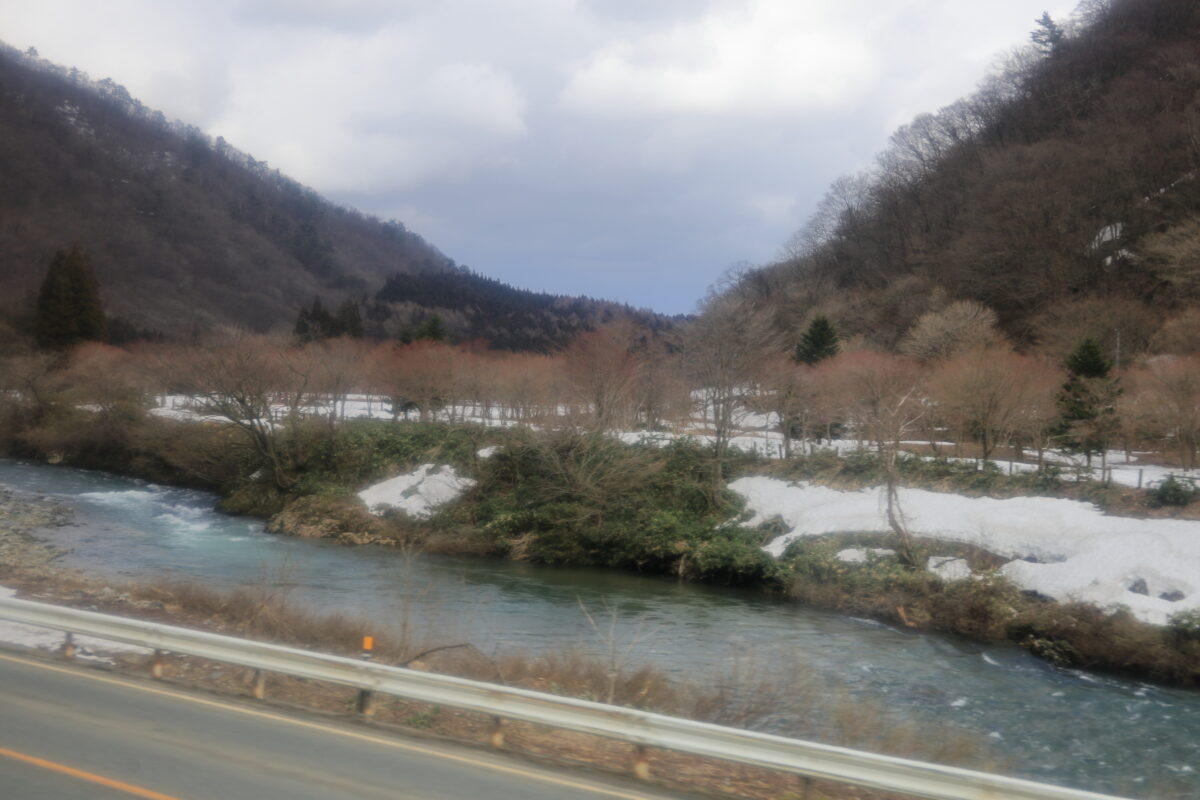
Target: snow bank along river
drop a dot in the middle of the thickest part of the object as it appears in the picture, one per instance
(1048, 723)
(1064, 549)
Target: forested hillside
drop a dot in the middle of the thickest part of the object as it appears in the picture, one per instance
(475, 307)
(186, 232)
(1062, 196)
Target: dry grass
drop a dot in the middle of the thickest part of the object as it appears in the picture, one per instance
(268, 615)
(750, 694)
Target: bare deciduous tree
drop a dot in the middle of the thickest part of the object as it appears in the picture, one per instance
(985, 392)
(887, 397)
(260, 387)
(724, 349)
(1166, 393)
(790, 393)
(960, 326)
(602, 372)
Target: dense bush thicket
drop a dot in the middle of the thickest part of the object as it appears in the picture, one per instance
(585, 498)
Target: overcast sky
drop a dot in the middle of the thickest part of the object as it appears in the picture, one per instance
(628, 149)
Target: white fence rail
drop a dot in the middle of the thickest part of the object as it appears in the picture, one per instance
(818, 761)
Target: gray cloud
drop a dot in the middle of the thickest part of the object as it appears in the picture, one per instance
(619, 149)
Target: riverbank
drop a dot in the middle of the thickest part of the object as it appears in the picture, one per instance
(261, 612)
(135, 533)
(575, 498)
(20, 515)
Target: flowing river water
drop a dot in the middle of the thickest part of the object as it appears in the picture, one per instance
(1045, 723)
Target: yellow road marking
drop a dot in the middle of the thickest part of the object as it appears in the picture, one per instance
(393, 743)
(90, 777)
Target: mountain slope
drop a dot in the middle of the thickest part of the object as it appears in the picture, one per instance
(186, 233)
(1063, 195)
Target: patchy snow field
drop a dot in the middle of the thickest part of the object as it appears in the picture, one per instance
(757, 434)
(418, 493)
(1064, 549)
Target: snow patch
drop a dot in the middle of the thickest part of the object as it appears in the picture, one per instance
(1109, 233)
(87, 648)
(948, 568)
(419, 493)
(855, 555)
(1078, 553)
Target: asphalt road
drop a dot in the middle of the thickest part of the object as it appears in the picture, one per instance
(69, 732)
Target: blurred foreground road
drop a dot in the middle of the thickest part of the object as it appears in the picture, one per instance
(69, 732)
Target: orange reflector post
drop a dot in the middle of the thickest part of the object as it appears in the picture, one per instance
(368, 643)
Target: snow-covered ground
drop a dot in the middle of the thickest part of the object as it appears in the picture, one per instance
(1064, 549)
(757, 433)
(87, 648)
(418, 493)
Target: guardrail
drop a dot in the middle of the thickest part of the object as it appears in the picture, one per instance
(639, 728)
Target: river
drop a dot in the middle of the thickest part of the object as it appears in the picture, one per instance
(1046, 723)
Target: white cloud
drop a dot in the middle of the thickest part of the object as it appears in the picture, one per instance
(365, 113)
(766, 57)
(476, 96)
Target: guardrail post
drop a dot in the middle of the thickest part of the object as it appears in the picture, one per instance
(68, 647)
(641, 763)
(364, 705)
(496, 737)
(260, 684)
(156, 665)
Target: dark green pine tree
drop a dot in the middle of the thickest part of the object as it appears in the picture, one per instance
(1087, 401)
(1087, 361)
(1048, 35)
(69, 310)
(348, 320)
(818, 343)
(303, 329)
(315, 323)
(432, 329)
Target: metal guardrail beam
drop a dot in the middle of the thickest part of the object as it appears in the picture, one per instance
(814, 760)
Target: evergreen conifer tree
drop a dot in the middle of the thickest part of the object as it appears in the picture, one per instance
(432, 329)
(1048, 35)
(348, 320)
(68, 309)
(1087, 401)
(818, 343)
(303, 327)
(1087, 361)
(315, 323)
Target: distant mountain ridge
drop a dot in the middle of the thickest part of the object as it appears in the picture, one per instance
(187, 233)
